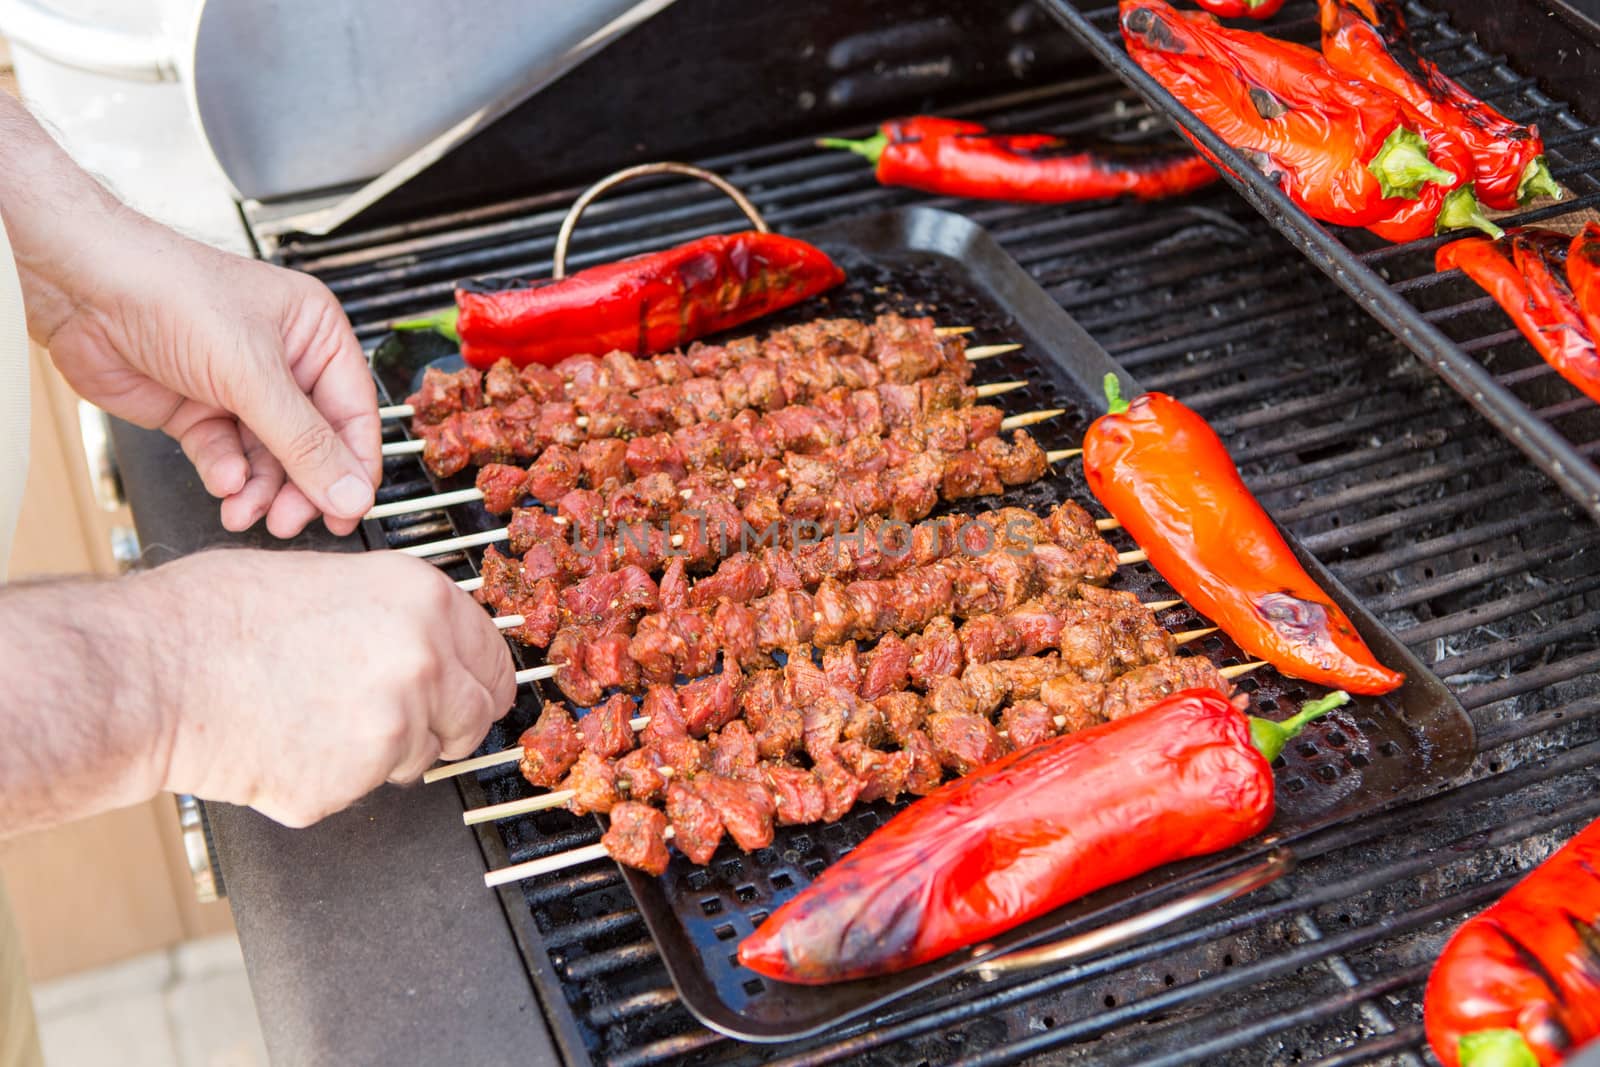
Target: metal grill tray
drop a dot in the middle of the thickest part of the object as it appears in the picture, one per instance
(1356, 760)
(1446, 320)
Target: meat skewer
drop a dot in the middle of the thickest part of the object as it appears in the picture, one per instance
(746, 808)
(892, 347)
(463, 496)
(959, 475)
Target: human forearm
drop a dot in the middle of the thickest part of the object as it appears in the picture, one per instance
(61, 221)
(90, 680)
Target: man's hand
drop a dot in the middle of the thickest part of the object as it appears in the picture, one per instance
(293, 682)
(254, 369)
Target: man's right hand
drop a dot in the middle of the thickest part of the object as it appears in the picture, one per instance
(301, 681)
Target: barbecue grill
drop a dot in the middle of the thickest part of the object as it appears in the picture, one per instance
(371, 939)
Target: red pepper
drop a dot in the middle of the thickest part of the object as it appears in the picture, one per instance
(643, 305)
(1188, 776)
(1238, 9)
(1167, 478)
(1524, 274)
(1348, 153)
(1367, 39)
(1583, 271)
(953, 158)
(1520, 982)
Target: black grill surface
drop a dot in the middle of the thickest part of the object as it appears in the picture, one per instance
(1457, 542)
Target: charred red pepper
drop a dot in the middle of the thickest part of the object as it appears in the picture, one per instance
(1524, 272)
(1583, 271)
(1367, 39)
(953, 158)
(1190, 775)
(1239, 9)
(1520, 983)
(1348, 152)
(643, 305)
(1167, 478)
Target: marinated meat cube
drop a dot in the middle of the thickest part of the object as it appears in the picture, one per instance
(1027, 722)
(964, 742)
(502, 578)
(603, 461)
(711, 702)
(784, 620)
(696, 826)
(702, 445)
(584, 511)
(886, 669)
(842, 665)
(628, 373)
(608, 663)
(949, 696)
(556, 423)
(823, 722)
(444, 393)
(967, 475)
(734, 629)
(673, 593)
(840, 787)
(1011, 577)
(638, 777)
(915, 488)
(503, 487)
(797, 795)
(802, 429)
(926, 774)
(992, 685)
(905, 349)
(530, 527)
(485, 435)
(903, 712)
(833, 613)
(700, 646)
(657, 647)
(1064, 569)
(739, 578)
(1076, 702)
(550, 746)
(1037, 626)
(733, 752)
(883, 775)
(607, 729)
(936, 653)
(637, 837)
(502, 384)
(567, 652)
(704, 397)
(541, 382)
(987, 638)
(877, 606)
(539, 606)
(1014, 462)
(593, 781)
(683, 756)
(983, 422)
(1144, 686)
(444, 449)
(864, 721)
(662, 707)
(941, 431)
(655, 454)
(777, 724)
(746, 808)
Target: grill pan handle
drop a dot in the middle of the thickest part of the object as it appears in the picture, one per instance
(570, 223)
(1278, 863)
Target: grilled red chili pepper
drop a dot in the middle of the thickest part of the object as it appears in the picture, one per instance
(643, 305)
(1583, 271)
(1524, 273)
(1190, 775)
(1520, 982)
(1367, 39)
(1349, 154)
(1167, 478)
(1238, 9)
(953, 158)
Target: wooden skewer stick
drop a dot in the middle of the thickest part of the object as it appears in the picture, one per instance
(550, 864)
(1134, 556)
(1107, 524)
(528, 805)
(405, 411)
(1065, 453)
(1017, 422)
(424, 503)
(404, 448)
(454, 544)
(470, 585)
(984, 392)
(508, 622)
(1242, 669)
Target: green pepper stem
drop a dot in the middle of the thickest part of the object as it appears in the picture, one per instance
(1495, 1048)
(442, 321)
(1461, 211)
(1115, 405)
(1270, 737)
(1537, 181)
(1402, 166)
(869, 148)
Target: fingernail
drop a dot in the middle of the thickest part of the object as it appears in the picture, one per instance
(350, 496)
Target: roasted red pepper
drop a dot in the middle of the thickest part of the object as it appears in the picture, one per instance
(1583, 271)
(643, 305)
(1239, 9)
(1348, 152)
(1367, 39)
(1520, 982)
(953, 158)
(1524, 273)
(1167, 478)
(1046, 825)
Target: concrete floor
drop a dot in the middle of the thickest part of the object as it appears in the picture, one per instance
(187, 1007)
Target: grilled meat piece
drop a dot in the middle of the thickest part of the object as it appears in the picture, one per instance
(638, 776)
(1027, 722)
(963, 742)
(502, 485)
(696, 826)
(797, 794)
(608, 728)
(550, 746)
(746, 808)
(593, 781)
(637, 837)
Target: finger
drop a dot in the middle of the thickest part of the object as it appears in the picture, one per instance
(313, 455)
(210, 438)
(246, 507)
(345, 394)
(423, 755)
(462, 721)
(291, 512)
(482, 651)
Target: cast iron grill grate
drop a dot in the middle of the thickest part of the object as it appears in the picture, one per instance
(1461, 545)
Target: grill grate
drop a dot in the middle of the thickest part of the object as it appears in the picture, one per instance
(1463, 547)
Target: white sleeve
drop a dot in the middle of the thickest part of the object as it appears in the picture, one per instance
(14, 406)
